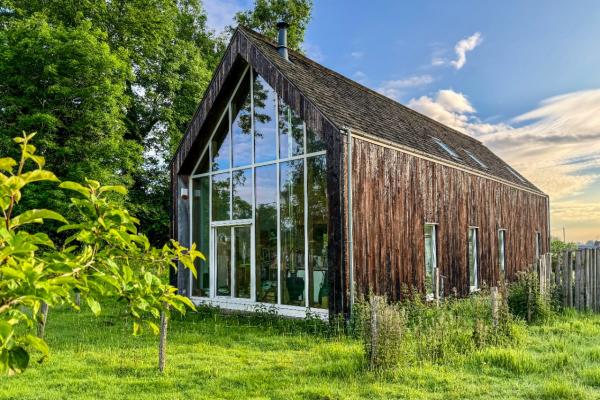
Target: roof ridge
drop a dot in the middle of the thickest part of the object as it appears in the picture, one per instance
(356, 84)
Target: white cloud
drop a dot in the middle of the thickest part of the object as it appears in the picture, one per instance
(359, 77)
(464, 46)
(395, 88)
(557, 146)
(357, 54)
(220, 13)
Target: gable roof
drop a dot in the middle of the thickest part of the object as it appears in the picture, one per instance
(347, 104)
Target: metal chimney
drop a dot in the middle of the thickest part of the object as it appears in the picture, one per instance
(282, 39)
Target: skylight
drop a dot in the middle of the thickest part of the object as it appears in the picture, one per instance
(512, 171)
(477, 160)
(446, 148)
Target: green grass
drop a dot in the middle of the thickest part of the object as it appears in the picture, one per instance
(215, 357)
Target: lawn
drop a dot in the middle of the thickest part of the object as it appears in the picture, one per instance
(213, 357)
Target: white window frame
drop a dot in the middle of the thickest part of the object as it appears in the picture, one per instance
(476, 287)
(503, 264)
(248, 304)
(430, 296)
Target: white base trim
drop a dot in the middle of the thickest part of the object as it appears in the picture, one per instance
(250, 306)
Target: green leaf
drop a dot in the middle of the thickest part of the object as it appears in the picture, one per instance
(94, 305)
(75, 187)
(6, 330)
(36, 216)
(117, 189)
(39, 175)
(39, 345)
(7, 164)
(18, 359)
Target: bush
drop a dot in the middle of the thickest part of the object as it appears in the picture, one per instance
(525, 299)
(415, 331)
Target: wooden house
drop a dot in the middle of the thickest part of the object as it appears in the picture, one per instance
(305, 189)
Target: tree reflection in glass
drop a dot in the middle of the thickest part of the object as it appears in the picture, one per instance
(316, 189)
(266, 233)
(220, 197)
(242, 193)
(291, 132)
(221, 144)
(223, 259)
(264, 121)
(200, 234)
(241, 126)
(291, 200)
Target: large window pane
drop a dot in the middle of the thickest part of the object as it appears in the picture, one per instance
(200, 234)
(242, 262)
(314, 142)
(242, 194)
(317, 232)
(473, 259)
(430, 259)
(221, 144)
(223, 239)
(220, 197)
(265, 145)
(291, 132)
(266, 233)
(241, 126)
(291, 202)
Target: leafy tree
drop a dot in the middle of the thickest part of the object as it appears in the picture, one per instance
(266, 13)
(66, 84)
(168, 55)
(104, 256)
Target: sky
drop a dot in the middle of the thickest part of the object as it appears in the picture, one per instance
(523, 77)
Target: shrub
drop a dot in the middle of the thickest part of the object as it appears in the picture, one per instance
(525, 299)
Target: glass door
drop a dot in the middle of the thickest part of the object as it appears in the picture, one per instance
(233, 261)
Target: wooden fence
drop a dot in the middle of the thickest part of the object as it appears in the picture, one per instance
(576, 274)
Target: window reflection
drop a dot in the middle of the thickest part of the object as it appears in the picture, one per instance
(317, 232)
(473, 259)
(221, 144)
(200, 234)
(291, 201)
(291, 132)
(430, 259)
(223, 260)
(242, 261)
(241, 126)
(242, 194)
(264, 120)
(220, 197)
(266, 233)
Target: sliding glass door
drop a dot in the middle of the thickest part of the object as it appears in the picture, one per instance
(233, 260)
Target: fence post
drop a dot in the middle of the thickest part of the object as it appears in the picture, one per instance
(577, 279)
(494, 293)
(588, 294)
(597, 268)
(567, 298)
(374, 332)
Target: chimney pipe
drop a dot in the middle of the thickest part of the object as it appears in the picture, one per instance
(282, 39)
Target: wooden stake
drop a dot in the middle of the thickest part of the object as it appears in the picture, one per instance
(41, 329)
(162, 345)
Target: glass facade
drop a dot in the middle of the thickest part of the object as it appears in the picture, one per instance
(259, 209)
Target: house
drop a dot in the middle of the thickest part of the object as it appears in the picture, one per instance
(306, 189)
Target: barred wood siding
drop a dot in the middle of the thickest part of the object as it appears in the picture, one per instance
(395, 193)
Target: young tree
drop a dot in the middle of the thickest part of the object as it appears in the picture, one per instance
(104, 256)
(267, 13)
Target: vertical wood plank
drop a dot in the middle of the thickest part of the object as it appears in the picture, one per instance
(578, 280)
(587, 280)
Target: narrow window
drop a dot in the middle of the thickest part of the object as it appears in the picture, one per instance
(477, 160)
(430, 260)
(446, 148)
(473, 260)
(538, 245)
(502, 250)
(512, 171)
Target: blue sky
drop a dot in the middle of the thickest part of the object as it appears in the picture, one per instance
(521, 76)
